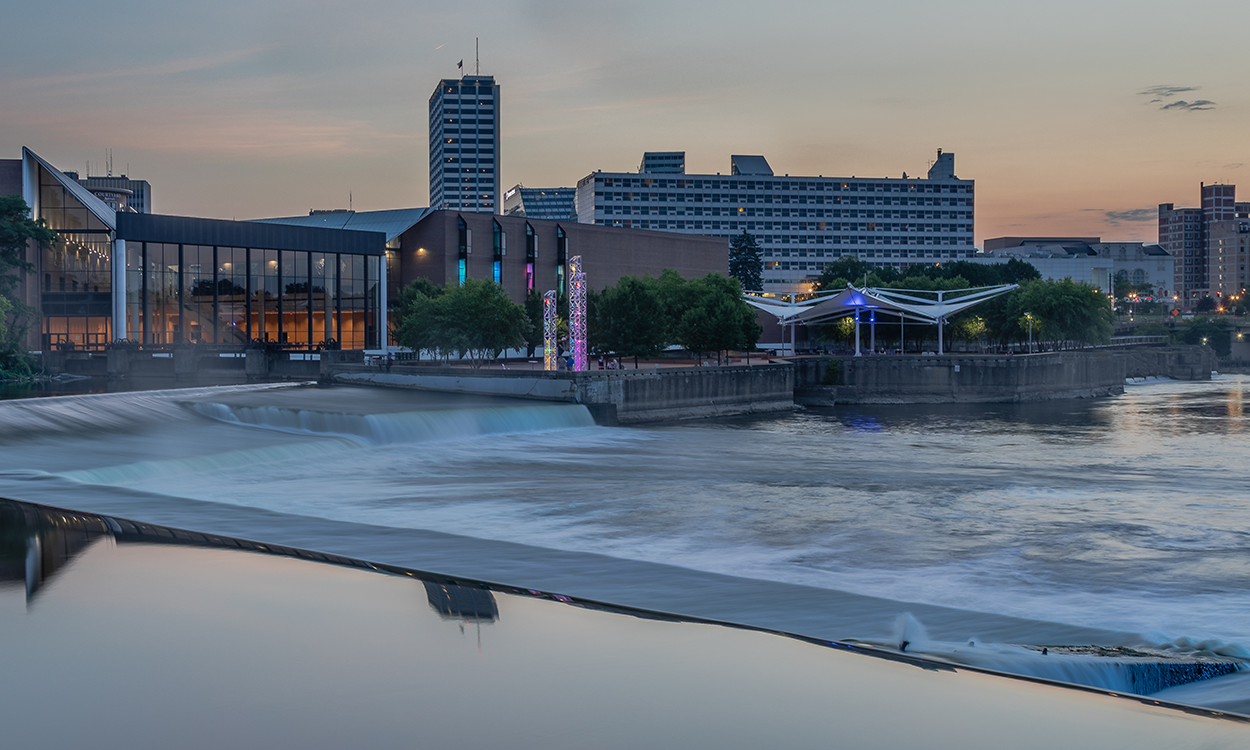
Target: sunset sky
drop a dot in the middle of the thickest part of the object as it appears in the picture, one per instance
(1073, 117)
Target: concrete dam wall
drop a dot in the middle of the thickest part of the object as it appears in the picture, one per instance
(612, 396)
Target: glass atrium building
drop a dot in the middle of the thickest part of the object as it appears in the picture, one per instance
(172, 280)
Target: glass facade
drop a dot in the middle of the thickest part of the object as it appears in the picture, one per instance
(463, 247)
(178, 293)
(76, 272)
(233, 295)
(531, 255)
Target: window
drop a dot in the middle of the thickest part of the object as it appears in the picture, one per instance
(500, 245)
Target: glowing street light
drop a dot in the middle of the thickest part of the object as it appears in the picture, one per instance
(1029, 315)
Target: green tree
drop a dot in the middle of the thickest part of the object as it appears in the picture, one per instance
(1215, 332)
(844, 270)
(476, 320)
(17, 229)
(414, 310)
(746, 261)
(1063, 312)
(629, 321)
(716, 319)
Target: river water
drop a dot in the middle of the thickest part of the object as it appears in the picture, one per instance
(1119, 515)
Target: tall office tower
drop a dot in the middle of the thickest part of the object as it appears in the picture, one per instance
(802, 223)
(1187, 234)
(464, 145)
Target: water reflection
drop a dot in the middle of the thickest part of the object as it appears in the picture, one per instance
(144, 640)
(36, 543)
(454, 602)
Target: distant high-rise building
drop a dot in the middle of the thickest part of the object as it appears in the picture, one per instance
(802, 223)
(1200, 239)
(464, 145)
(541, 203)
(121, 193)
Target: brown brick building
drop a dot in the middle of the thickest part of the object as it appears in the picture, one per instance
(520, 253)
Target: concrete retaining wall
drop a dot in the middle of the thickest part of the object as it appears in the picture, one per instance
(992, 379)
(955, 379)
(613, 396)
(199, 365)
(1176, 362)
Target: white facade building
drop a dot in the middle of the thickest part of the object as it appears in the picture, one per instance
(803, 223)
(1093, 263)
(464, 145)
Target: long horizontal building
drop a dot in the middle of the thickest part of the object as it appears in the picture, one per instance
(802, 223)
(172, 280)
(1088, 260)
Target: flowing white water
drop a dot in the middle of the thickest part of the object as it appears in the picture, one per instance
(1123, 514)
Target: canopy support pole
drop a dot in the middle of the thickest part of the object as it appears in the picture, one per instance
(857, 354)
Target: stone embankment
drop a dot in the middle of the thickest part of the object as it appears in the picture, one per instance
(612, 396)
(1090, 373)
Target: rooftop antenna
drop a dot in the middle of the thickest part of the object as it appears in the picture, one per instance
(477, 56)
(349, 200)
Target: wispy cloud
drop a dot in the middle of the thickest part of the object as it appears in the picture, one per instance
(1131, 215)
(1167, 91)
(1162, 94)
(1197, 105)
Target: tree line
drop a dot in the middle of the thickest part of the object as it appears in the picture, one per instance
(634, 318)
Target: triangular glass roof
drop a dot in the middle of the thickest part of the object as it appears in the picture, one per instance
(98, 208)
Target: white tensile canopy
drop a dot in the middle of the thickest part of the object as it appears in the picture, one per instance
(921, 305)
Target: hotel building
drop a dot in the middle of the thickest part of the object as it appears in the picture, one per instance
(802, 223)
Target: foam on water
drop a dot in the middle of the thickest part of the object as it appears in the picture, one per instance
(23, 419)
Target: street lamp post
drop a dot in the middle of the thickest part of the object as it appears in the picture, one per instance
(1029, 315)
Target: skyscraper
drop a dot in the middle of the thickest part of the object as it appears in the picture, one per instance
(464, 145)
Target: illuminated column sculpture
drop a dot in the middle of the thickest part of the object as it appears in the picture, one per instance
(549, 330)
(577, 313)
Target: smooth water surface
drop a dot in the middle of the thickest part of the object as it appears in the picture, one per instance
(125, 636)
